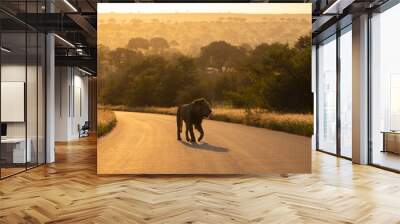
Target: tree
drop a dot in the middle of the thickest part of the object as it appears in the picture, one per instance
(272, 76)
(282, 76)
(143, 80)
(270, 59)
(303, 42)
(138, 43)
(220, 55)
(179, 72)
(122, 56)
(159, 44)
(246, 48)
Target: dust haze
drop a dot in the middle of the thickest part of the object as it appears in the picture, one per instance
(187, 33)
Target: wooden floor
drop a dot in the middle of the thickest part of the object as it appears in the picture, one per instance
(69, 191)
(5, 172)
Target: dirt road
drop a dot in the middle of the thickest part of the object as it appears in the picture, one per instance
(146, 144)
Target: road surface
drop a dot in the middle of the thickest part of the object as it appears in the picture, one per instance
(143, 143)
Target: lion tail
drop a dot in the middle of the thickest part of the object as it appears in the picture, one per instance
(179, 120)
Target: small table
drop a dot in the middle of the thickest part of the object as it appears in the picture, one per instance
(391, 141)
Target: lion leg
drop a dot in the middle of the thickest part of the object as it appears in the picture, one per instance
(200, 129)
(187, 132)
(179, 133)
(179, 129)
(179, 124)
(192, 137)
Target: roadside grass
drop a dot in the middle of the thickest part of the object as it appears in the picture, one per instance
(106, 121)
(300, 124)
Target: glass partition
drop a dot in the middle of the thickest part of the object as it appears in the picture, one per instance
(346, 92)
(23, 91)
(14, 153)
(385, 89)
(327, 95)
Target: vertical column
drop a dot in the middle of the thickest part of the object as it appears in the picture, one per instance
(50, 92)
(50, 98)
(360, 90)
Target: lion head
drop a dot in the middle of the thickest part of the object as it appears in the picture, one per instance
(202, 107)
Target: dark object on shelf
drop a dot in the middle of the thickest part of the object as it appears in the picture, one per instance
(3, 129)
(391, 141)
(84, 130)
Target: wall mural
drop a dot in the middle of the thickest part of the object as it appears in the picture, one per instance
(222, 88)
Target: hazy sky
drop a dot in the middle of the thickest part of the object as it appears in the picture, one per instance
(249, 8)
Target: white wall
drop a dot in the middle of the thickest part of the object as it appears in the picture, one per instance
(80, 111)
(33, 126)
(71, 102)
(62, 81)
(12, 73)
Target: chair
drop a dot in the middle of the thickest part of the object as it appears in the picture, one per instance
(84, 130)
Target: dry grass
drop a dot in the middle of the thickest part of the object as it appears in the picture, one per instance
(106, 121)
(300, 124)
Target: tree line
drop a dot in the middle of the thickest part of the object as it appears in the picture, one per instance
(153, 73)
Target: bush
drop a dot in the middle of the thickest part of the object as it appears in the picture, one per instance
(106, 121)
(299, 124)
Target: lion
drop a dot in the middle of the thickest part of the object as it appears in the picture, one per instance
(193, 115)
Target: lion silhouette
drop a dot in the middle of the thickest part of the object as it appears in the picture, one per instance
(192, 114)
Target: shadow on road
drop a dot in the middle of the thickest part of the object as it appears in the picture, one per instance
(205, 146)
